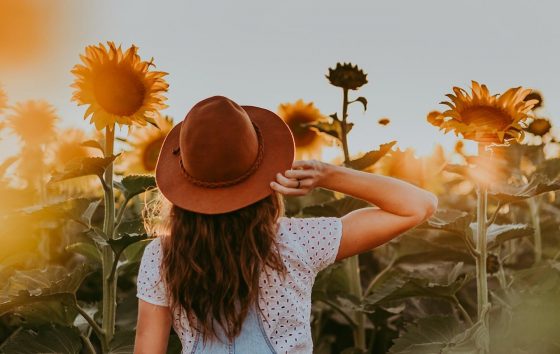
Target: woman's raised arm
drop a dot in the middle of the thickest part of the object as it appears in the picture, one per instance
(399, 205)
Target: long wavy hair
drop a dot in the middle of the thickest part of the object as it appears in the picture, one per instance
(211, 264)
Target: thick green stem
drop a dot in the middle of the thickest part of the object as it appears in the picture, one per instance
(482, 280)
(536, 221)
(352, 264)
(109, 283)
(353, 270)
(481, 246)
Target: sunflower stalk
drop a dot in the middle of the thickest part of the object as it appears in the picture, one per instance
(352, 264)
(536, 221)
(109, 282)
(481, 246)
(344, 127)
(41, 186)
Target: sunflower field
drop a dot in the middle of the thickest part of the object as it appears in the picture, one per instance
(482, 275)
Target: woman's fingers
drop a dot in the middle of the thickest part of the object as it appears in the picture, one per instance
(306, 171)
(305, 164)
(300, 174)
(287, 182)
(286, 190)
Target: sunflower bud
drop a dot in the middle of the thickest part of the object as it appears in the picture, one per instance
(347, 76)
(539, 126)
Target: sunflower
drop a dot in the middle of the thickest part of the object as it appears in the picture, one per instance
(347, 76)
(483, 117)
(145, 144)
(117, 86)
(539, 127)
(3, 100)
(68, 147)
(424, 171)
(33, 122)
(308, 140)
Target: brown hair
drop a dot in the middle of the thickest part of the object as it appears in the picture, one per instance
(212, 263)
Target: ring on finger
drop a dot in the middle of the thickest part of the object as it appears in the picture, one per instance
(298, 183)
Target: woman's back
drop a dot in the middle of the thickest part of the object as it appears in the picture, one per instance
(307, 245)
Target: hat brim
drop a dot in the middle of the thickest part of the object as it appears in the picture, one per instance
(278, 156)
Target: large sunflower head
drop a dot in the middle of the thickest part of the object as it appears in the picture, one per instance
(33, 122)
(145, 144)
(483, 117)
(118, 87)
(347, 76)
(308, 140)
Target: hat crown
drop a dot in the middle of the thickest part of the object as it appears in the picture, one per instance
(218, 141)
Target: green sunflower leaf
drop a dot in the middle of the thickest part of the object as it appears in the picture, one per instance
(51, 283)
(539, 183)
(84, 167)
(440, 334)
(371, 157)
(45, 339)
(498, 234)
(332, 129)
(363, 101)
(87, 250)
(93, 144)
(119, 244)
(434, 281)
(136, 184)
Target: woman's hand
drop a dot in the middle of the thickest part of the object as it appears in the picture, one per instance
(309, 173)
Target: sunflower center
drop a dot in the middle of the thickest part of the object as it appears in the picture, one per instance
(119, 90)
(486, 118)
(151, 153)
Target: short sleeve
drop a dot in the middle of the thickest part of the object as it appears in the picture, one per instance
(149, 285)
(319, 239)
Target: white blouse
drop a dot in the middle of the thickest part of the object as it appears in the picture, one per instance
(307, 245)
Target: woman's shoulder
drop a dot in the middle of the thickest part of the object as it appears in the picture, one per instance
(315, 239)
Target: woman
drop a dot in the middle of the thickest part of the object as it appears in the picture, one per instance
(228, 271)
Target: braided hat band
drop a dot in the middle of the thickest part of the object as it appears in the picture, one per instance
(219, 184)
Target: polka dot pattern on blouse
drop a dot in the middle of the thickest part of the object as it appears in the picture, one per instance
(307, 246)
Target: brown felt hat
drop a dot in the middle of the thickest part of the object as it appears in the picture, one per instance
(222, 156)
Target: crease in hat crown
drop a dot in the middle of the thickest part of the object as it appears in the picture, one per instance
(219, 144)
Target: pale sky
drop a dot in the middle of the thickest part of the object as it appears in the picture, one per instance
(265, 53)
